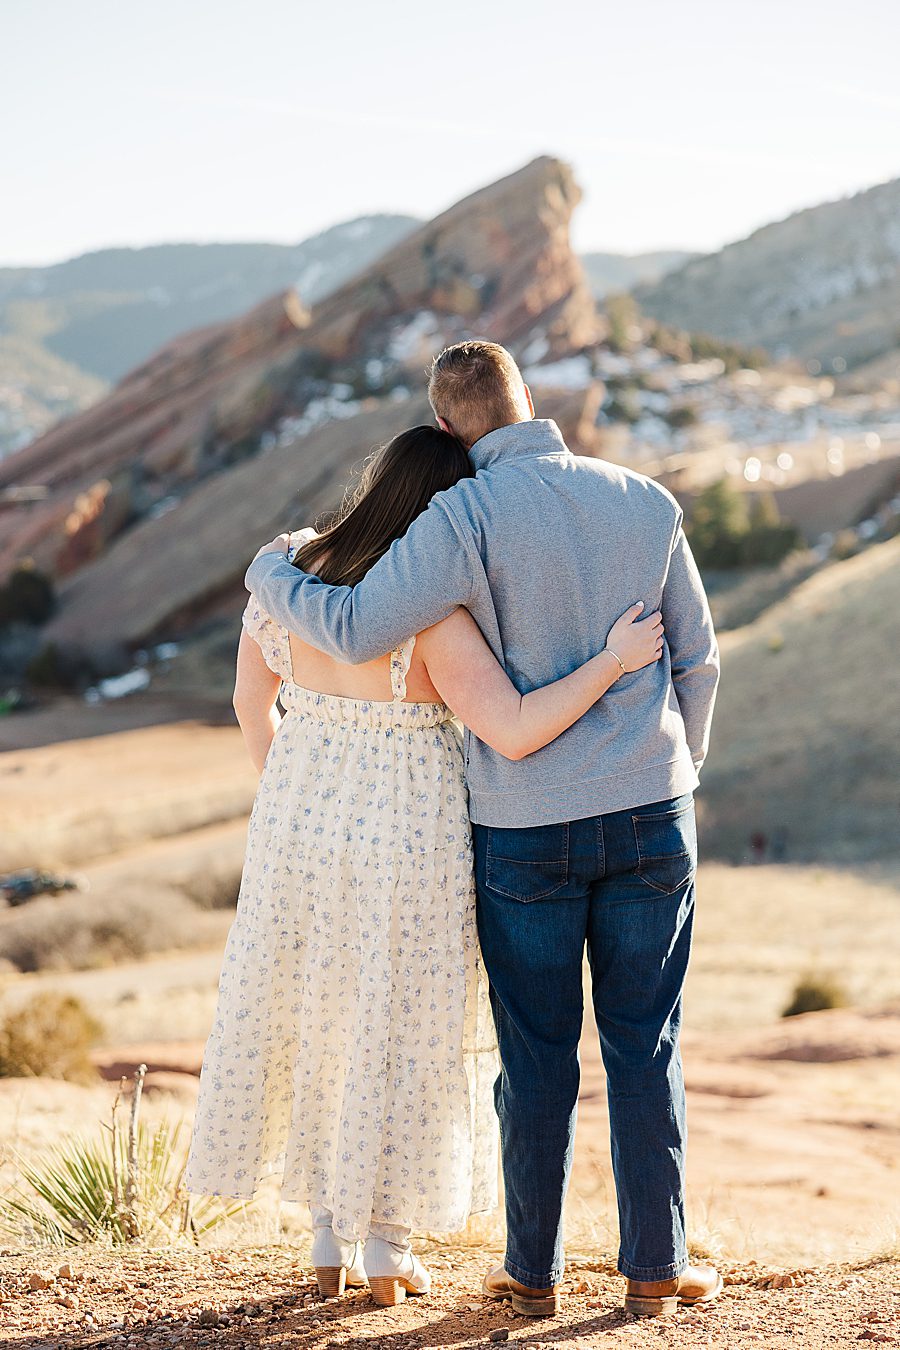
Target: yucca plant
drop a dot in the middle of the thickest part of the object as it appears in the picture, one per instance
(124, 1184)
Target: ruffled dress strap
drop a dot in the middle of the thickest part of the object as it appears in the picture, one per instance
(270, 637)
(274, 641)
(400, 661)
(297, 539)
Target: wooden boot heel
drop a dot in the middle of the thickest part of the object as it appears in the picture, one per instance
(332, 1280)
(387, 1290)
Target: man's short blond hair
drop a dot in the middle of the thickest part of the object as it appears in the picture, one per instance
(476, 387)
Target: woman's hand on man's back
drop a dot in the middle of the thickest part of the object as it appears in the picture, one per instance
(637, 642)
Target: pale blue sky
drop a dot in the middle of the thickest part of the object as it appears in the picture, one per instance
(688, 124)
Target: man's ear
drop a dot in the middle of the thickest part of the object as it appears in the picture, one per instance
(445, 426)
(530, 400)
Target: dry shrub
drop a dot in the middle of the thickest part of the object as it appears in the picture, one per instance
(49, 1037)
(216, 887)
(816, 993)
(95, 929)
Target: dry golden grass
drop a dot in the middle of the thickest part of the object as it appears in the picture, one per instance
(806, 738)
(759, 930)
(71, 802)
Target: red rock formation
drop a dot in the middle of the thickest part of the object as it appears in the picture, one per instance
(498, 264)
(154, 425)
(165, 575)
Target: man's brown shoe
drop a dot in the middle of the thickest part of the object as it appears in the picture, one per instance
(529, 1302)
(662, 1298)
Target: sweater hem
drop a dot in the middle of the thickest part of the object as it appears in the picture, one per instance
(535, 805)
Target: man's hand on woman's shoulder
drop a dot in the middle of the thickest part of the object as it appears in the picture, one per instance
(278, 545)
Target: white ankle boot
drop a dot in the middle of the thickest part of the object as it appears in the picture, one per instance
(338, 1263)
(393, 1271)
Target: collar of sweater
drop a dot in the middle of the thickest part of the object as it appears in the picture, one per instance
(540, 436)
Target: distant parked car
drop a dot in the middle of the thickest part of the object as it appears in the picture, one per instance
(16, 888)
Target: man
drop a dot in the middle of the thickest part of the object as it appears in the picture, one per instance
(590, 841)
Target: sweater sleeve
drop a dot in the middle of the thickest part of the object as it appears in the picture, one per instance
(420, 580)
(692, 645)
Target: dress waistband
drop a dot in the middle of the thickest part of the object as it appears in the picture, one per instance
(362, 712)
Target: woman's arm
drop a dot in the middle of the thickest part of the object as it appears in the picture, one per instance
(471, 681)
(255, 695)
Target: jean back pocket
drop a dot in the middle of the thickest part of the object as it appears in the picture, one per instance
(666, 844)
(527, 864)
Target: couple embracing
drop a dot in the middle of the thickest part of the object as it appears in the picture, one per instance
(481, 574)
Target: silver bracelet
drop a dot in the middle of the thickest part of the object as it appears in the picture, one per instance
(618, 658)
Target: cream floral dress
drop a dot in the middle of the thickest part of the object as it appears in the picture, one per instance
(352, 1049)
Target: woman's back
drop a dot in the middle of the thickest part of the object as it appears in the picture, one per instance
(312, 669)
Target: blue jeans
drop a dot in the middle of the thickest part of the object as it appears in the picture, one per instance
(623, 884)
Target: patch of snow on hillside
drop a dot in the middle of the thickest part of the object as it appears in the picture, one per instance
(536, 350)
(311, 275)
(613, 364)
(118, 686)
(652, 431)
(572, 372)
(698, 372)
(406, 342)
(357, 229)
(328, 408)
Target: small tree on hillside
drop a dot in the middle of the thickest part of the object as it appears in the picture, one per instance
(718, 525)
(769, 538)
(27, 596)
(623, 315)
(730, 530)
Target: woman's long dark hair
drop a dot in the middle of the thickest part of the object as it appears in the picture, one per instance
(396, 485)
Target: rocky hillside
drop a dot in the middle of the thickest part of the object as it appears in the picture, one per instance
(811, 695)
(67, 330)
(146, 506)
(823, 285)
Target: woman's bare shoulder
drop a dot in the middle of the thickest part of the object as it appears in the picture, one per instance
(455, 622)
(458, 629)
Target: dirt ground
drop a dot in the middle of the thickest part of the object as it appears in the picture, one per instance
(268, 1298)
(793, 1159)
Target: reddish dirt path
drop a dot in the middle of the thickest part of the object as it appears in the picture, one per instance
(265, 1298)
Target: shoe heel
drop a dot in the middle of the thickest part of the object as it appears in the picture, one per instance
(332, 1280)
(536, 1307)
(386, 1290)
(651, 1307)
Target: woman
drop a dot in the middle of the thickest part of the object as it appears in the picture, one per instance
(352, 1046)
